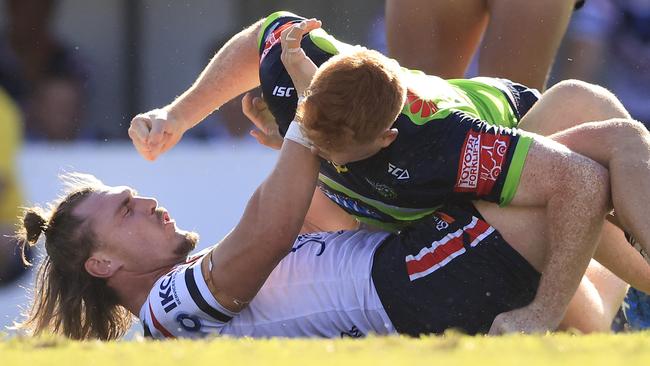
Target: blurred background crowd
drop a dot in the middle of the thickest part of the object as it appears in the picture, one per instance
(80, 70)
(74, 70)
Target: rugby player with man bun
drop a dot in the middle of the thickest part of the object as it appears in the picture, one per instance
(111, 252)
(235, 69)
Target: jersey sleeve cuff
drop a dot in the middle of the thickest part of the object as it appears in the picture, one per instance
(269, 23)
(514, 171)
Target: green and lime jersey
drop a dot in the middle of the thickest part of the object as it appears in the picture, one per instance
(443, 123)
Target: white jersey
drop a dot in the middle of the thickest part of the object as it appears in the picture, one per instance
(322, 288)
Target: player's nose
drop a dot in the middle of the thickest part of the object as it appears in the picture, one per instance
(149, 204)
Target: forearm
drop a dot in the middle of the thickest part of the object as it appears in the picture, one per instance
(232, 71)
(268, 228)
(282, 201)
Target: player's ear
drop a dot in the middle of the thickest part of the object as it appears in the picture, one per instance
(100, 266)
(388, 136)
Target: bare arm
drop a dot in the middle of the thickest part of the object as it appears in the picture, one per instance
(323, 214)
(267, 230)
(232, 71)
(271, 222)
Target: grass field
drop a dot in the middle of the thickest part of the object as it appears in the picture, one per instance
(448, 350)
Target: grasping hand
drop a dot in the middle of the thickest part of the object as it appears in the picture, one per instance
(257, 111)
(298, 65)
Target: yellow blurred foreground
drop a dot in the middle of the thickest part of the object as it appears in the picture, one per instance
(451, 349)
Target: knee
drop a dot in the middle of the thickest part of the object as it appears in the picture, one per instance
(630, 127)
(601, 103)
(581, 91)
(628, 134)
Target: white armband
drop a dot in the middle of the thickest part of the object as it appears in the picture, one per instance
(294, 133)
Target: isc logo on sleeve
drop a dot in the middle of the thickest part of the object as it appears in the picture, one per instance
(282, 91)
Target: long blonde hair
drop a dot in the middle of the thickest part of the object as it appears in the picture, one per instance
(67, 300)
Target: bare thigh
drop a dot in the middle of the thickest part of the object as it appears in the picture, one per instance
(596, 302)
(571, 103)
(600, 292)
(522, 39)
(438, 37)
(524, 228)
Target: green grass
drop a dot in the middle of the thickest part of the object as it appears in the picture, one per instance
(448, 350)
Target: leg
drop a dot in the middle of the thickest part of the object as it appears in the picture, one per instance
(437, 37)
(570, 103)
(588, 103)
(594, 306)
(525, 228)
(574, 192)
(600, 292)
(522, 39)
(617, 255)
(623, 146)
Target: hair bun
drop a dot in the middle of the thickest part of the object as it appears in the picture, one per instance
(34, 224)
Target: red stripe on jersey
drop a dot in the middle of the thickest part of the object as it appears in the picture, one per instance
(159, 326)
(438, 255)
(476, 232)
(479, 229)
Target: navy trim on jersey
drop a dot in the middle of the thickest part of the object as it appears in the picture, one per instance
(192, 287)
(147, 331)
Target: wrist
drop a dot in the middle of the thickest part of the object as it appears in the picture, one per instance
(178, 117)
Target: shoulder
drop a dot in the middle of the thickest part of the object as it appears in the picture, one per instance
(181, 305)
